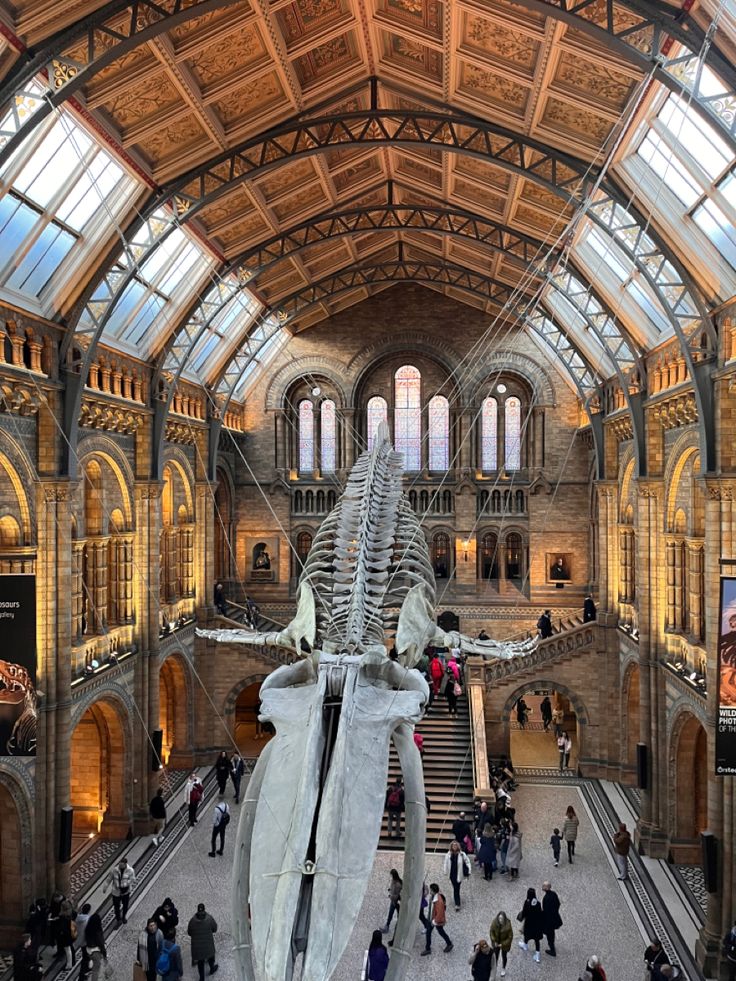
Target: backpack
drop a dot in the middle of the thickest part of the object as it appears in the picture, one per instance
(394, 799)
(163, 963)
(195, 794)
(224, 817)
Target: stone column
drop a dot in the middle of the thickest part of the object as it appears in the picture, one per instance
(607, 547)
(651, 832)
(53, 638)
(97, 583)
(77, 594)
(670, 552)
(695, 599)
(350, 438)
(186, 559)
(537, 455)
(171, 563)
(679, 593)
(203, 546)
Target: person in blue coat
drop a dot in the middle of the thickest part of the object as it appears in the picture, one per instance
(377, 958)
(487, 851)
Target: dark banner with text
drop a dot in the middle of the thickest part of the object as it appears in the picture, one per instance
(726, 723)
(18, 710)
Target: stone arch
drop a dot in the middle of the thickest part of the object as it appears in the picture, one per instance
(101, 767)
(228, 705)
(100, 449)
(414, 341)
(15, 466)
(575, 700)
(16, 854)
(175, 710)
(688, 762)
(682, 457)
(330, 368)
(513, 363)
(626, 493)
(174, 457)
(630, 731)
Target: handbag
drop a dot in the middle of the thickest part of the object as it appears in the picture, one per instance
(457, 689)
(520, 916)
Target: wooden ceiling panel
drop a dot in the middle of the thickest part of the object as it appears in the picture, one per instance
(422, 16)
(327, 60)
(306, 19)
(243, 107)
(499, 43)
(222, 62)
(309, 199)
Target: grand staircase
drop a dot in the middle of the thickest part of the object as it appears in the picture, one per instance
(448, 773)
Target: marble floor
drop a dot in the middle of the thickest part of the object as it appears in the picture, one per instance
(595, 908)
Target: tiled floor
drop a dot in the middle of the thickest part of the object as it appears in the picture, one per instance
(594, 909)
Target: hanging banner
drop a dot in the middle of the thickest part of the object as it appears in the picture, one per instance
(18, 709)
(726, 722)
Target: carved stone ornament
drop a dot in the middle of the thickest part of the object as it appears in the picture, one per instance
(312, 816)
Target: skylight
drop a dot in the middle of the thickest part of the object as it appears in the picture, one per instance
(59, 195)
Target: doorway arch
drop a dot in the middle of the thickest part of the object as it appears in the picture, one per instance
(250, 736)
(174, 712)
(689, 760)
(542, 751)
(15, 855)
(99, 771)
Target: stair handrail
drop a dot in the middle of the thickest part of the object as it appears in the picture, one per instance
(546, 650)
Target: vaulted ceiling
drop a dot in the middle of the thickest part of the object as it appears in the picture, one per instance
(179, 84)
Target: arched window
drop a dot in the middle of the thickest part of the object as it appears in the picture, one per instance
(377, 412)
(489, 434)
(489, 557)
(513, 556)
(303, 545)
(327, 436)
(439, 433)
(441, 555)
(408, 416)
(512, 440)
(306, 436)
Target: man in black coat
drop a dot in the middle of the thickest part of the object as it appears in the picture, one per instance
(589, 610)
(461, 830)
(551, 915)
(544, 625)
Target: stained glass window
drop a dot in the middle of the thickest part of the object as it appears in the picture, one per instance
(489, 434)
(377, 413)
(306, 436)
(408, 416)
(439, 433)
(512, 448)
(327, 435)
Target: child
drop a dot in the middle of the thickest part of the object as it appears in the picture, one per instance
(556, 842)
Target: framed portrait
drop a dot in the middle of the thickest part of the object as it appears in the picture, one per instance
(559, 567)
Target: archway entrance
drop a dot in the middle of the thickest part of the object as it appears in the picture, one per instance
(98, 775)
(11, 871)
(174, 713)
(691, 791)
(530, 744)
(250, 735)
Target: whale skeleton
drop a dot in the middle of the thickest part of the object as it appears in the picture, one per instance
(311, 816)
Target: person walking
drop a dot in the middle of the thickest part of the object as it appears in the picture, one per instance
(67, 933)
(436, 671)
(457, 867)
(167, 916)
(222, 772)
(502, 936)
(394, 807)
(570, 831)
(544, 625)
(150, 942)
(169, 964)
(556, 843)
(394, 897)
(121, 882)
(561, 749)
(202, 929)
(729, 952)
(589, 610)
(522, 713)
(94, 941)
(81, 924)
(452, 689)
(546, 709)
(157, 810)
(568, 749)
(533, 919)
(595, 968)
(487, 851)
(437, 919)
(621, 848)
(220, 821)
(558, 717)
(655, 958)
(193, 794)
(377, 963)
(552, 921)
(237, 772)
(481, 961)
(513, 852)
(461, 830)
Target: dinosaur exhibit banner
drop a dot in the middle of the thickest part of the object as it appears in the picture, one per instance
(18, 711)
(726, 721)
